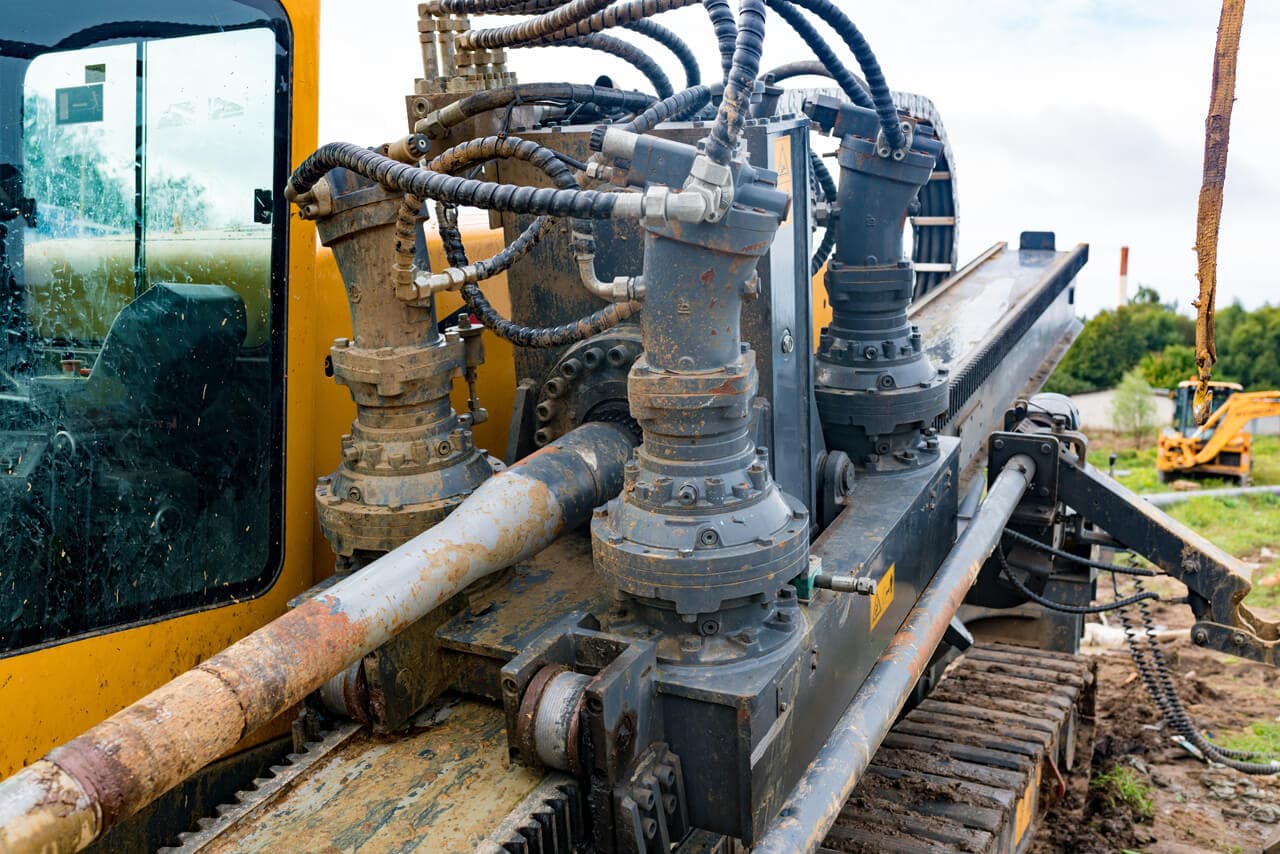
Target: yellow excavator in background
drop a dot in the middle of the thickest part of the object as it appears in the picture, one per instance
(1222, 446)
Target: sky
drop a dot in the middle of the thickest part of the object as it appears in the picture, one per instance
(1077, 116)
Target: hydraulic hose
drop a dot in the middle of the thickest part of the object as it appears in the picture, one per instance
(438, 123)
(828, 186)
(581, 204)
(618, 15)
(479, 150)
(492, 7)
(837, 70)
(679, 104)
(726, 29)
(523, 336)
(673, 43)
(628, 53)
(881, 97)
(732, 115)
(799, 68)
(543, 26)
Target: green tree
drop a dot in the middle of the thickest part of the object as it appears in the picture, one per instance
(1114, 341)
(173, 201)
(64, 168)
(1133, 408)
(1170, 366)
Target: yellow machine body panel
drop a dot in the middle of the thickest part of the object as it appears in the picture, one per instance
(51, 694)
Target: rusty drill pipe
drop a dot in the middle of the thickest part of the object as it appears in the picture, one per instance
(65, 801)
(816, 801)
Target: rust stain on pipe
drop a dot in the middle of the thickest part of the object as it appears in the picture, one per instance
(65, 801)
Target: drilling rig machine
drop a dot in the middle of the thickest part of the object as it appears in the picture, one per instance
(724, 587)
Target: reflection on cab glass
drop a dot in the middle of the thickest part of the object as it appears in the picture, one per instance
(136, 384)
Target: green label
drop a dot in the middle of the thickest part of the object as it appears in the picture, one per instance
(79, 104)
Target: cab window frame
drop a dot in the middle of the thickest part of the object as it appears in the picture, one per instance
(274, 18)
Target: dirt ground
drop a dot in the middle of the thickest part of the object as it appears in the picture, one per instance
(1196, 807)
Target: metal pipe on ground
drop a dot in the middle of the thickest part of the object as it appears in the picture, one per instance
(1165, 499)
(66, 800)
(816, 801)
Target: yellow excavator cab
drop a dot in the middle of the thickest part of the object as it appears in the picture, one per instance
(1222, 446)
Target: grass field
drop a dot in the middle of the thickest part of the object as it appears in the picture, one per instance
(1243, 526)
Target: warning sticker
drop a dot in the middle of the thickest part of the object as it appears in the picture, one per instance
(883, 597)
(782, 165)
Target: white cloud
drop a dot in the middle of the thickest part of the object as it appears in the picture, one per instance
(1081, 116)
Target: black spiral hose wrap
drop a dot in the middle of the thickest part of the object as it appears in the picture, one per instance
(672, 42)
(733, 112)
(618, 15)
(534, 29)
(514, 148)
(581, 204)
(628, 53)
(828, 186)
(881, 97)
(726, 30)
(496, 99)
(679, 104)
(544, 159)
(497, 7)
(837, 70)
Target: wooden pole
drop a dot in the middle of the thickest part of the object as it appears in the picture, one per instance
(1217, 135)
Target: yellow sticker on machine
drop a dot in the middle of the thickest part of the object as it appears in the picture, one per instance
(782, 165)
(883, 597)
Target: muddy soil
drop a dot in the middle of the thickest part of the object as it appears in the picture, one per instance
(1195, 807)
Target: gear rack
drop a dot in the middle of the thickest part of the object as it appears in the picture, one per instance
(963, 771)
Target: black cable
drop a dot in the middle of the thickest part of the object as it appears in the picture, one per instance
(1083, 561)
(571, 162)
(881, 96)
(738, 88)
(845, 79)
(673, 43)
(577, 203)
(1156, 677)
(1063, 607)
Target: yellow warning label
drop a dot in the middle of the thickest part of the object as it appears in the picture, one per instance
(782, 165)
(883, 597)
(1026, 807)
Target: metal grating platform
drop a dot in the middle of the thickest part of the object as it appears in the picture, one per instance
(966, 769)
